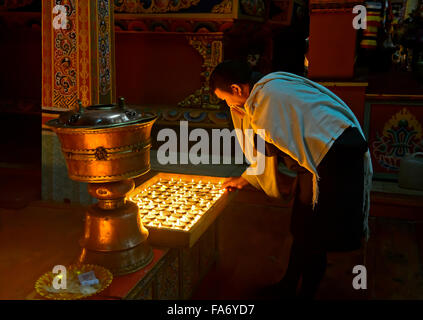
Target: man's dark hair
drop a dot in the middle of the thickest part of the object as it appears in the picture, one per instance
(230, 72)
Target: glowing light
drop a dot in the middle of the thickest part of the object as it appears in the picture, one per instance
(176, 204)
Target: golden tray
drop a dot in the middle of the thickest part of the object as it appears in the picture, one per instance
(44, 283)
(181, 238)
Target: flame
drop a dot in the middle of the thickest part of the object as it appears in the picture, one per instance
(171, 200)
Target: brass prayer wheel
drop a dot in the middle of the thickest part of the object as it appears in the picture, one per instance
(107, 146)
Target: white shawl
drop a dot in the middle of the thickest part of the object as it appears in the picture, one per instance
(302, 119)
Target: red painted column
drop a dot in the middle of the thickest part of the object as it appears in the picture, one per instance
(78, 55)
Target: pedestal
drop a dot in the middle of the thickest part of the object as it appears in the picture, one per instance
(114, 235)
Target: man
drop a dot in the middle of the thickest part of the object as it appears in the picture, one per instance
(315, 134)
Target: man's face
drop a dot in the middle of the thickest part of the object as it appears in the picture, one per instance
(235, 99)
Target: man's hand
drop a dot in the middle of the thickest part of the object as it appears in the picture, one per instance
(235, 183)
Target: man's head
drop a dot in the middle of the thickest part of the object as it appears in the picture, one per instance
(230, 81)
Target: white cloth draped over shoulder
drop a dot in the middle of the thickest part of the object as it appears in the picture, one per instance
(302, 119)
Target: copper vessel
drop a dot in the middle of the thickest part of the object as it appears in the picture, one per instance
(105, 143)
(107, 146)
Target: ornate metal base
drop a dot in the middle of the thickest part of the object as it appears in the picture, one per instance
(119, 262)
(114, 236)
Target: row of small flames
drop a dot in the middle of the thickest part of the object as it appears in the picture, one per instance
(176, 204)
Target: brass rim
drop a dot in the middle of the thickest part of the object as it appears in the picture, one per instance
(56, 126)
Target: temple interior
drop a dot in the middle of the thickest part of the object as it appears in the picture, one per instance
(199, 241)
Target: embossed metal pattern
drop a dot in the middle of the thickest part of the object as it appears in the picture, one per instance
(101, 153)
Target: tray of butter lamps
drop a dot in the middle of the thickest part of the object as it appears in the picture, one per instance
(177, 209)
